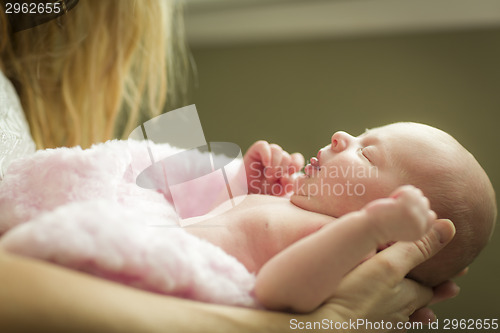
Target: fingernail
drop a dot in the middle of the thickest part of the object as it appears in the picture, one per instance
(443, 232)
(456, 290)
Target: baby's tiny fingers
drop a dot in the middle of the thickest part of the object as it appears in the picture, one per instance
(297, 163)
(287, 184)
(276, 154)
(276, 157)
(261, 150)
(285, 163)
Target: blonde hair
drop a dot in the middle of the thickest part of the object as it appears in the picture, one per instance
(94, 73)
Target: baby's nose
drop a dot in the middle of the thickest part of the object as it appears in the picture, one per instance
(340, 141)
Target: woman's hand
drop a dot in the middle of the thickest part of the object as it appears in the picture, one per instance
(269, 168)
(377, 289)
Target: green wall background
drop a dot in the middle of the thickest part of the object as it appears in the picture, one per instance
(298, 94)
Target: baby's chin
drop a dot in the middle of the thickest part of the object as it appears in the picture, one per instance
(298, 183)
(312, 204)
(302, 183)
(303, 201)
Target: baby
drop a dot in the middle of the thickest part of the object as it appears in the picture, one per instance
(356, 196)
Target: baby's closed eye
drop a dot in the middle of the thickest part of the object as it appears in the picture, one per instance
(365, 153)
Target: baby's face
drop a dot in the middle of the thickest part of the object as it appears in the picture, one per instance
(352, 171)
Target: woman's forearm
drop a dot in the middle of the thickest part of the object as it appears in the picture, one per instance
(37, 296)
(40, 297)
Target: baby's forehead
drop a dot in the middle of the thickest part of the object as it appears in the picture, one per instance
(404, 136)
(407, 145)
(403, 130)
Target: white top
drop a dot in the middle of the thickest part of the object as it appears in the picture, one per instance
(15, 138)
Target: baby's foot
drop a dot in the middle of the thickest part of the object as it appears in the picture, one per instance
(404, 216)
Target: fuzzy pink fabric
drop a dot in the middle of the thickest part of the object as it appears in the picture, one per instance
(82, 209)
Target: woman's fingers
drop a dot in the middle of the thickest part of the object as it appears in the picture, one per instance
(444, 291)
(381, 280)
(463, 272)
(402, 257)
(423, 315)
(417, 295)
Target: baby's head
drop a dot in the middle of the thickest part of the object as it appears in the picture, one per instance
(357, 170)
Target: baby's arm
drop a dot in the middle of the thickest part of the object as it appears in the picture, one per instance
(305, 274)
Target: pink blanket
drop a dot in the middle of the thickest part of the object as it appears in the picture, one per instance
(82, 209)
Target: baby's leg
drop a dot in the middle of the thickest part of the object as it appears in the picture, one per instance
(305, 274)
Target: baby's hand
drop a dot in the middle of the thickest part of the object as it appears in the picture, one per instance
(404, 216)
(269, 168)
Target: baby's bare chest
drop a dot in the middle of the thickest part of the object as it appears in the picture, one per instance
(267, 225)
(259, 228)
